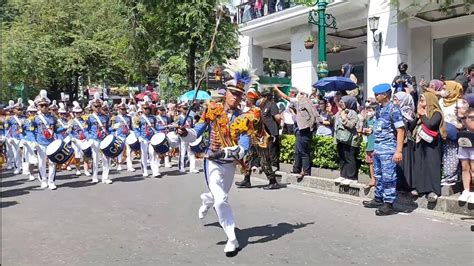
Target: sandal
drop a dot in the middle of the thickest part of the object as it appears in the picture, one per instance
(369, 185)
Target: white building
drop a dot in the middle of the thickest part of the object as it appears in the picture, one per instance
(431, 43)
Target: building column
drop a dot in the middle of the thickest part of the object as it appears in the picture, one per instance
(382, 66)
(303, 61)
(252, 53)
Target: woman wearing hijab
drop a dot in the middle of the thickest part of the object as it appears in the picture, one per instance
(435, 86)
(347, 140)
(453, 93)
(405, 171)
(428, 131)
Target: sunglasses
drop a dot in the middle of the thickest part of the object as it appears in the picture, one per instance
(97, 106)
(43, 105)
(123, 109)
(146, 108)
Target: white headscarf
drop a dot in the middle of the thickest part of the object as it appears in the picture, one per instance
(407, 105)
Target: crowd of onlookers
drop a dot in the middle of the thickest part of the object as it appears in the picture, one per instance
(435, 114)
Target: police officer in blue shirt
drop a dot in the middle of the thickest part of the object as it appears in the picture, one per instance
(389, 133)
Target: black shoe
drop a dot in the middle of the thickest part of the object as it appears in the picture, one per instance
(243, 184)
(385, 209)
(375, 203)
(272, 186)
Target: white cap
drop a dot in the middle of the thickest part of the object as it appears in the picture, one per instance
(76, 107)
(62, 109)
(31, 106)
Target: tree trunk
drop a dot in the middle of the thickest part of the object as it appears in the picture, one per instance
(191, 67)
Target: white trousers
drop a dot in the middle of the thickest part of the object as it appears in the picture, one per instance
(42, 159)
(147, 152)
(16, 152)
(10, 156)
(96, 156)
(76, 146)
(29, 156)
(128, 150)
(184, 149)
(219, 178)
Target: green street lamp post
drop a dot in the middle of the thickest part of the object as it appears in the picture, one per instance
(319, 18)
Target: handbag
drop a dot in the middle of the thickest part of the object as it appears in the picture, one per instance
(343, 135)
(426, 134)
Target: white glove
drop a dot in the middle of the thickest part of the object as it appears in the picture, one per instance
(116, 125)
(234, 152)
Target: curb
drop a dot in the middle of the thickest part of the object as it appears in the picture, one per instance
(448, 204)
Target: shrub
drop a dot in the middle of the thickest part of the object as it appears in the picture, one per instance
(324, 153)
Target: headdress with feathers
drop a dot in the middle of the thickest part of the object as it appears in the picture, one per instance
(31, 106)
(54, 105)
(96, 98)
(123, 103)
(19, 103)
(243, 76)
(62, 108)
(42, 97)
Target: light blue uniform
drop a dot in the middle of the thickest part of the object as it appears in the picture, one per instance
(61, 128)
(15, 129)
(145, 130)
(44, 133)
(387, 119)
(97, 130)
(125, 126)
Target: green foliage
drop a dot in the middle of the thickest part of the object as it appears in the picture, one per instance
(324, 153)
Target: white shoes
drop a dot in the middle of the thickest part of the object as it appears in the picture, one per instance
(339, 180)
(119, 168)
(107, 181)
(86, 173)
(202, 211)
(51, 185)
(194, 171)
(347, 182)
(31, 178)
(465, 196)
(157, 175)
(145, 174)
(182, 171)
(69, 168)
(17, 171)
(9, 167)
(78, 173)
(44, 184)
(95, 180)
(131, 169)
(231, 246)
(167, 165)
(471, 198)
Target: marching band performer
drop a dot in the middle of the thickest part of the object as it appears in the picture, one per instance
(53, 109)
(163, 121)
(44, 130)
(78, 135)
(229, 142)
(146, 129)
(62, 125)
(98, 126)
(10, 156)
(16, 134)
(29, 143)
(184, 147)
(123, 125)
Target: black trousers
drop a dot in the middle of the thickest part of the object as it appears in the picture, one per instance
(288, 129)
(303, 152)
(347, 160)
(274, 151)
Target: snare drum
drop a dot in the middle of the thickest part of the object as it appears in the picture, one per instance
(198, 146)
(160, 144)
(59, 152)
(111, 146)
(173, 139)
(132, 141)
(86, 149)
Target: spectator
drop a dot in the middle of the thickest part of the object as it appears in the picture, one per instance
(367, 130)
(466, 149)
(271, 119)
(327, 120)
(405, 170)
(429, 130)
(454, 92)
(403, 81)
(347, 140)
(288, 122)
(435, 86)
(306, 118)
(389, 134)
(463, 78)
(470, 84)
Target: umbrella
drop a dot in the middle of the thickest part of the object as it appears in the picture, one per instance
(335, 84)
(189, 96)
(152, 94)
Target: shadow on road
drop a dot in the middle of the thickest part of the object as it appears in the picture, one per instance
(5, 204)
(77, 184)
(131, 178)
(267, 232)
(16, 192)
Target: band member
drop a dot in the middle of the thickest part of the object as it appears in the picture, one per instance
(29, 143)
(228, 142)
(123, 126)
(44, 130)
(62, 125)
(146, 130)
(9, 153)
(184, 148)
(259, 151)
(78, 136)
(53, 109)
(162, 121)
(97, 130)
(16, 134)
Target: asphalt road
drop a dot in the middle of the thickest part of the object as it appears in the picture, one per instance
(152, 221)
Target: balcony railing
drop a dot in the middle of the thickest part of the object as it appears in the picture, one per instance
(253, 9)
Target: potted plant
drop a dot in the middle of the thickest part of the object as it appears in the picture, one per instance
(309, 43)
